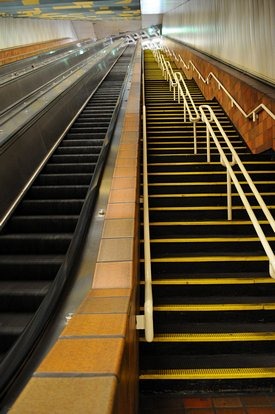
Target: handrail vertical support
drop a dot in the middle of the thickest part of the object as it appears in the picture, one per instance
(195, 137)
(208, 144)
(229, 195)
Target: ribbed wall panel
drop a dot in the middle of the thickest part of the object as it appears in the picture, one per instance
(16, 32)
(239, 32)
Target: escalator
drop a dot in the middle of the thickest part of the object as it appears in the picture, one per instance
(214, 300)
(41, 243)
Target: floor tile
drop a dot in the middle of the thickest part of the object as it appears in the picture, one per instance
(197, 402)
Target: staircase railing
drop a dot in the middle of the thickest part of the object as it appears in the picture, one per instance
(231, 176)
(176, 81)
(191, 66)
(146, 321)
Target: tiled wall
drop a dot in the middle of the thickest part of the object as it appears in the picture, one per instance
(93, 367)
(21, 52)
(249, 93)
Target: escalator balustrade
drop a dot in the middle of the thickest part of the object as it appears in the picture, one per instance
(35, 240)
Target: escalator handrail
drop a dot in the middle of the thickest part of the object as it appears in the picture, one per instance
(209, 118)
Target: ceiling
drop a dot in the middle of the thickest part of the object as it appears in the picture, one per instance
(72, 10)
(95, 10)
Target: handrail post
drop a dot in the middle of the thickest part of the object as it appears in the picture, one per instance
(195, 136)
(229, 195)
(208, 144)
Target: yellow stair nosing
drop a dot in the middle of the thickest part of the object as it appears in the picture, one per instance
(213, 337)
(213, 281)
(209, 239)
(203, 259)
(214, 307)
(205, 223)
(209, 373)
(204, 208)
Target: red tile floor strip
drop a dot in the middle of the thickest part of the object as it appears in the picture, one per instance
(262, 403)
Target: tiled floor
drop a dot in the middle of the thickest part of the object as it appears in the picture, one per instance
(210, 404)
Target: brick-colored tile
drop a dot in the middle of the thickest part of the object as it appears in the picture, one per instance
(227, 402)
(197, 402)
(96, 325)
(94, 356)
(67, 395)
(255, 400)
(230, 411)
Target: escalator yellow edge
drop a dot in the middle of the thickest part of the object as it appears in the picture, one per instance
(218, 373)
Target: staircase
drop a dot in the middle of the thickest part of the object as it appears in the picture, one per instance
(214, 301)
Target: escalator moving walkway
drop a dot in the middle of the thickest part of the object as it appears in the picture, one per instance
(35, 241)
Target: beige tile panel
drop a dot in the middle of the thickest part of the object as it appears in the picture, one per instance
(76, 356)
(114, 250)
(113, 275)
(121, 210)
(109, 293)
(129, 137)
(119, 183)
(126, 162)
(104, 305)
(123, 196)
(67, 395)
(130, 171)
(96, 325)
(118, 227)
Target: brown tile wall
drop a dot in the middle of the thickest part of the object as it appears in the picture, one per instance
(259, 135)
(93, 367)
(21, 52)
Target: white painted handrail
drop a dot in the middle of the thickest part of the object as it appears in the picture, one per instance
(232, 176)
(176, 81)
(191, 66)
(146, 321)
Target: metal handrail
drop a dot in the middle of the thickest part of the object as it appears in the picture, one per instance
(232, 176)
(252, 114)
(176, 81)
(146, 321)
